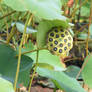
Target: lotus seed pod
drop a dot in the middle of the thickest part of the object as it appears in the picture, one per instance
(59, 41)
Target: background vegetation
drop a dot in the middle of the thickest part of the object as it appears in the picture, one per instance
(23, 54)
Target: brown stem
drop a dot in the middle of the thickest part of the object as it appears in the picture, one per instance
(7, 15)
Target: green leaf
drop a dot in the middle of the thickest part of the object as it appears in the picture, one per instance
(63, 81)
(83, 36)
(43, 29)
(6, 10)
(20, 26)
(72, 71)
(5, 86)
(87, 71)
(85, 9)
(46, 57)
(64, 2)
(47, 9)
(8, 65)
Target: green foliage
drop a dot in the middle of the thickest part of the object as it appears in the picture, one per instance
(62, 81)
(64, 2)
(47, 58)
(85, 9)
(72, 71)
(47, 9)
(8, 64)
(5, 86)
(44, 27)
(87, 71)
(20, 26)
(45, 15)
(27, 47)
(84, 36)
(8, 20)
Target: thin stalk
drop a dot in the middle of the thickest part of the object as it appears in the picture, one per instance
(11, 34)
(73, 13)
(79, 14)
(32, 51)
(30, 84)
(90, 21)
(8, 14)
(78, 31)
(72, 59)
(19, 56)
(23, 18)
(76, 2)
(5, 20)
(13, 31)
(82, 67)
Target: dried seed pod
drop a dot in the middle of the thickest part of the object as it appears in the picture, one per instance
(59, 41)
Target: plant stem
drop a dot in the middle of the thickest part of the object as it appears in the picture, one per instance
(76, 2)
(90, 21)
(78, 31)
(73, 13)
(11, 34)
(32, 51)
(72, 59)
(5, 20)
(19, 56)
(82, 67)
(34, 71)
(7, 15)
(55, 89)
